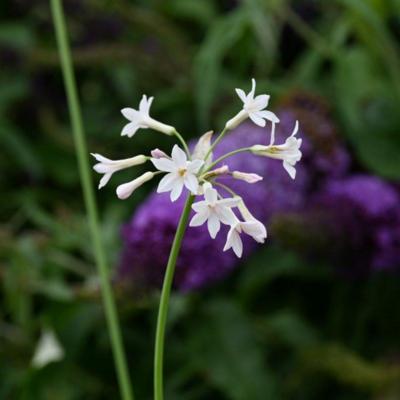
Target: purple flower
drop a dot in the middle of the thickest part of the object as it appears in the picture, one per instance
(362, 214)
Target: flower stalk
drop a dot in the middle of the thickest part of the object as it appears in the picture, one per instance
(164, 300)
(89, 198)
(194, 173)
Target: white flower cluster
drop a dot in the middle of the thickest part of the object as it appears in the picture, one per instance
(199, 174)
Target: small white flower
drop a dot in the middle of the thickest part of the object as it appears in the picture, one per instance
(141, 119)
(48, 350)
(247, 177)
(126, 189)
(289, 152)
(253, 108)
(202, 146)
(108, 167)
(213, 210)
(181, 172)
(249, 217)
(251, 228)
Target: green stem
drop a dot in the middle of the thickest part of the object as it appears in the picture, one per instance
(164, 300)
(216, 141)
(89, 197)
(182, 140)
(231, 153)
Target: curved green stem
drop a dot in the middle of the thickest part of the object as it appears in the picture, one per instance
(216, 141)
(89, 197)
(164, 300)
(231, 153)
(184, 144)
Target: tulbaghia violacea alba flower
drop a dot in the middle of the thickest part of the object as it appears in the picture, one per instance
(48, 350)
(199, 174)
(140, 119)
(180, 173)
(253, 108)
(289, 152)
(213, 210)
(108, 167)
(255, 229)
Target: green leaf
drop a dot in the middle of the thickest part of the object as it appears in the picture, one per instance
(208, 63)
(368, 109)
(226, 350)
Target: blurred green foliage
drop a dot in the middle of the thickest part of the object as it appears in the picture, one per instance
(278, 328)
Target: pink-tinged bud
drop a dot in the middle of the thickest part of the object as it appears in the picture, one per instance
(157, 153)
(249, 178)
(217, 172)
(126, 189)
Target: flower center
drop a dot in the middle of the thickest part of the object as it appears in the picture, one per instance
(182, 171)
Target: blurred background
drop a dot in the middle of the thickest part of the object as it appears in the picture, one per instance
(311, 314)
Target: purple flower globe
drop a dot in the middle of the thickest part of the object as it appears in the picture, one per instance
(362, 213)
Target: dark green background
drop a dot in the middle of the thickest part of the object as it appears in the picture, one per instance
(278, 328)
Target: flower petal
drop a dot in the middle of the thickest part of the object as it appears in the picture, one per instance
(261, 101)
(199, 206)
(199, 218)
(241, 94)
(211, 195)
(168, 182)
(230, 202)
(194, 166)
(130, 113)
(256, 119)
(104, 180)
(177, 190)
(130, 129)
(179, 157)
(145, 104)
(191, 183)
(213, 225)
(225, 215)
(269, 115)
(163, 164)
(290, 169)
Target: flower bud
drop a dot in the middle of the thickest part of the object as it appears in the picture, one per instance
(126, 189)
(247, 177)
(157, 153)
(217, 172)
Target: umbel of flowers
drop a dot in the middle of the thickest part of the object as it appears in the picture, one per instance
(200, 175)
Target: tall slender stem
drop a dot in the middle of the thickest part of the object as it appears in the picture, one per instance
(164, 300)
(89, 197)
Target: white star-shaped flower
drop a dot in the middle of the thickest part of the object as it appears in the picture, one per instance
(253, 228)
(48, 350)
(108, 167)
(213, 210)
(289, 152)
(141, 119)
(181, 172)
(253, 108)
